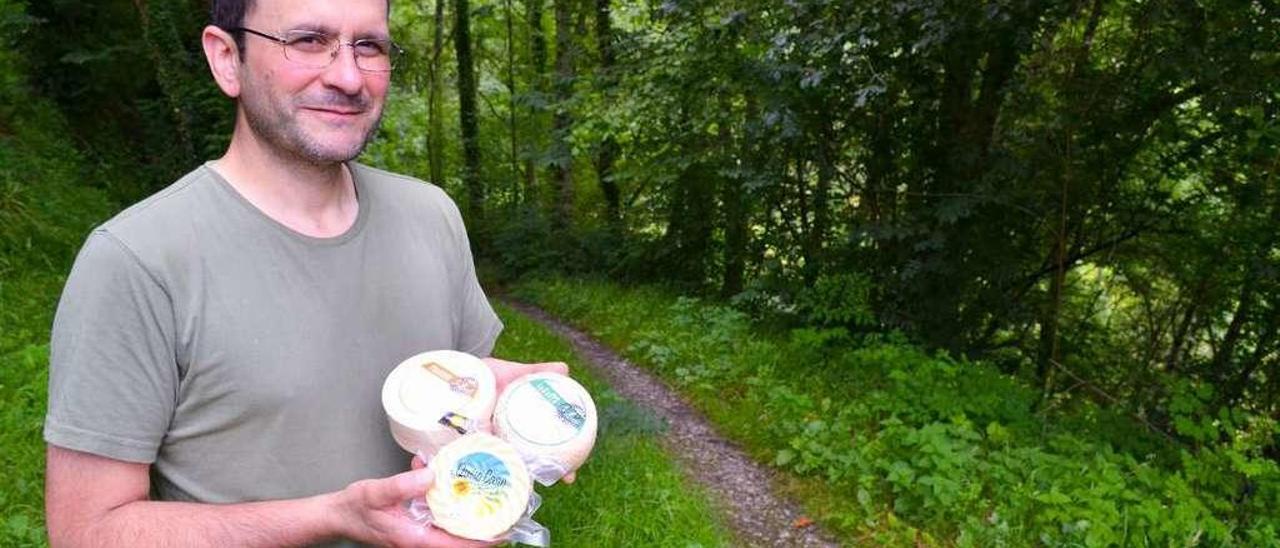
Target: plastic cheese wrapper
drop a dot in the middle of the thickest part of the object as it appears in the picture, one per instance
(481, 491)
(551, 420)
(435, 397)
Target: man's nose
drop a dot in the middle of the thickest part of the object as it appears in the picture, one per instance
(342, 73)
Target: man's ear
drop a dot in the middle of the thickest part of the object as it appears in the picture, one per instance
(223, 55)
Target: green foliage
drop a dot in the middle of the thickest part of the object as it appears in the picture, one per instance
(1091, 184)
(22, 406)
(46, 202)
(916, 442)
(46, 208)
(837, 299)
(1084, 194)
(131, 81)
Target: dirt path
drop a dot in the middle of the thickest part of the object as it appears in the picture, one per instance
(757, 515)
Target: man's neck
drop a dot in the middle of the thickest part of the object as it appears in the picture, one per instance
(317, 200)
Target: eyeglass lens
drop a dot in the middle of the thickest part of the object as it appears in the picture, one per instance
(317, 50)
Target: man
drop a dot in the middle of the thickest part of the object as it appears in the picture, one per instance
(219, 348)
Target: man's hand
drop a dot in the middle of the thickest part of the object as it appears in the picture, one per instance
(375, 512)
(506, 371)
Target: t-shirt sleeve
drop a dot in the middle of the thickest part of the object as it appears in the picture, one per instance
(478, 324)
(113, 376)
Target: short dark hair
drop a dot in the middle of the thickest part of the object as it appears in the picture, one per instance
(228, 15)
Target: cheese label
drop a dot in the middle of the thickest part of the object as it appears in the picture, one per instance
(481, 487)
(455, 422)
(481, 478)
(549, 417)
(568, 413)
(462, 385)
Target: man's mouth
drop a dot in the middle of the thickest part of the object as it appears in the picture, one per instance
(340, 111)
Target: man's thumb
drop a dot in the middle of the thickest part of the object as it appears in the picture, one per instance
(401, 487)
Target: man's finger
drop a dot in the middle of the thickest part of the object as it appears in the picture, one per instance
(439, 537)
(520, 369)
(554, 367)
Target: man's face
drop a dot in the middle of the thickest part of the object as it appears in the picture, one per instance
(319, 115)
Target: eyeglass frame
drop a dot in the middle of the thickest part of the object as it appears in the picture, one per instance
(394, 51)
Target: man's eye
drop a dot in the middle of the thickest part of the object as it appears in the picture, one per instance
(371, 48)
(308, 42)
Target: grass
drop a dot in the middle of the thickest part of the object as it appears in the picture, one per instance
(630, 493)
(22, 404)
(46, 208)
(885, 444)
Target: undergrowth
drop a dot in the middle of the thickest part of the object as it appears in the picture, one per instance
(889, 444)
(48, 202)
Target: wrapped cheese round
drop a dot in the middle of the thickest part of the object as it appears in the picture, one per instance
(549, 418)
(481, 487)
(435, 397)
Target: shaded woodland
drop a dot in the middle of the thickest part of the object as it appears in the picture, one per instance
(1082, 193)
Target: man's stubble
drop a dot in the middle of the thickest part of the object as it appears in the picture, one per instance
(278, 125)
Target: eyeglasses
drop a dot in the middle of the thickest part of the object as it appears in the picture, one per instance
(317, 50)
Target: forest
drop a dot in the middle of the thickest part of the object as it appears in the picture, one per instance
(1073, 201)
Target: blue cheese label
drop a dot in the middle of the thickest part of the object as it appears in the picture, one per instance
(481, 475)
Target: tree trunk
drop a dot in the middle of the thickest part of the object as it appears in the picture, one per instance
(816, 239)
(511, 101)
(1236, 389)
(803, 218)
(164, 45)
(1258, 265)
(690, 223)
(435, 98)
(608, 150)
(1049, 351)
(538, 78)
(1173, 359)
(735, 207)
(1048, 348)
(879, 191)
(1244, 308)
(562, 122)
(467, 112)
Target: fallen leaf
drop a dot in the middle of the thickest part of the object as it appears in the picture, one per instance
(801, 522)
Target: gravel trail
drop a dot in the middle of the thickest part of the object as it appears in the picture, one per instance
(744, 488)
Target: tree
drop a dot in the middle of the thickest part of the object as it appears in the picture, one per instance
(435, 98)
(467, 115)
(562, 119)
(608, 149)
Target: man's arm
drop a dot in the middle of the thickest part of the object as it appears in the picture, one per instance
(97, 501)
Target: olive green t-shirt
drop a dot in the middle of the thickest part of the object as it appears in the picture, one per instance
(245, 360)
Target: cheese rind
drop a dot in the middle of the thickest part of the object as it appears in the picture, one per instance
(434, 397)
(548, 416)
(481, 487)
